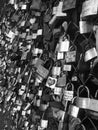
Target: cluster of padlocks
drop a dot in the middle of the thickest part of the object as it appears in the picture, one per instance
(41, 68)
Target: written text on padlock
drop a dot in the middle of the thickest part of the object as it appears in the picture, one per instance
(68, 95)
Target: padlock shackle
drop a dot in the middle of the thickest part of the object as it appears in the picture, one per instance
(50, 63)
(96, 94)
(69, 85)
(73, 45)
(73, 100)
(86, 88)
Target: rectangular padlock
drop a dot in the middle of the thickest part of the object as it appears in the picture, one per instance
(70, 56)
(64, 45)
(60, 55)
(42, 71)
(89, 8)
(57, 91)
(68, 95)
(67, 67)
(61, 81)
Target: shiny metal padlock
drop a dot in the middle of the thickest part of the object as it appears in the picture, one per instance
(43, 70)
(60, 55)
(83, 102)
(73, 110)
(12, 1)
(89, 8)
(93, 113)
(90, 54)
(58, 13)
(67, 67)
(56, 70)
(57, 91)
(85, 27)
(64, 44)
(68, 94)
(44, 123)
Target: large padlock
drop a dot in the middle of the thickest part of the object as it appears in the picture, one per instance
(68, 94)
(93, 114)
(75, 111)
(83, 102)
(90, 54)
(43, 70)
(89, 8)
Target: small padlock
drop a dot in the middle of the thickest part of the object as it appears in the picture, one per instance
(70, 56)
(12, 1)
(44, 123)
(61, 82)
(51, 82)
(56, 70)
(67, 67)
(64, 44)
(58, 91)
(60, 56)
(68, 94)
(90, 54)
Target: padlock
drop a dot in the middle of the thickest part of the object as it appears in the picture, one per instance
(60, 55)
(61, 82)
(43, 71)
(56, 70)
(12, 1)
(89, 8)
(85, 27)
(58, 91)
(90, 54)
(71, 56)
(51, 82)
(64, 44)
(75, 111)
(59, 13)
(68, 94)
(83, 102)
(44, 123)
(67, 67)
